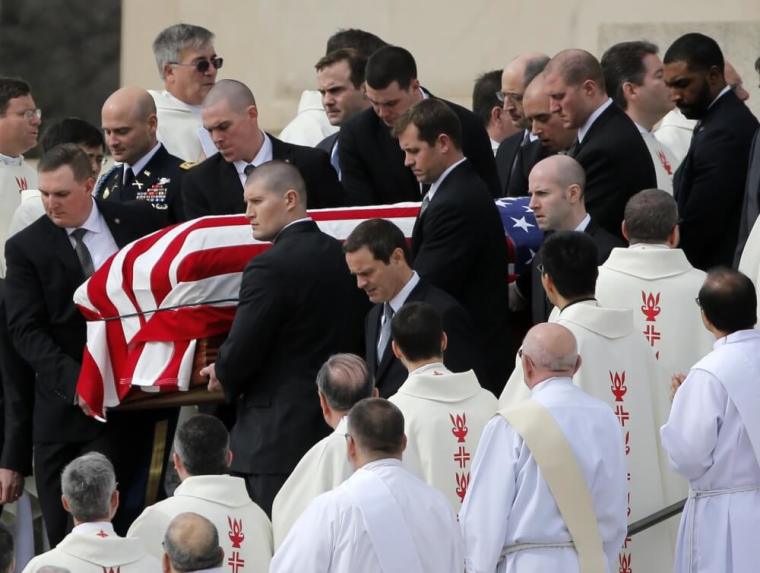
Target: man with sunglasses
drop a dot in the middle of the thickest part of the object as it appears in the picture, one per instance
(188, 66)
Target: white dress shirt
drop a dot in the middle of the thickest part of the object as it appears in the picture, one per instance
(264, 155)
(98, 238)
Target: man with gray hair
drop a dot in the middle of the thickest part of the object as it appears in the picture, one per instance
(191, 543)
(202, 458)
(187, 64)
(341, 382)
(91, 497)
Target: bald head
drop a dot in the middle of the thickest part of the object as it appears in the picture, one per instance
(514, 79)
(235, 94)
(577, 66)
(191, 543)
(131, 100)
(550, 350)
(735, 82)
(129, 124)
(562, 170)
(555, 186)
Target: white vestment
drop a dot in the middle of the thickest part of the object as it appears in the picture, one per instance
(509, 502)
(675, 131)
(244, 530)
(619, 368)
(180, 128)
(660, 286)
(383, 519)
(711, 445)
(95, 548)
(324, 467)
(14, 179)
(444, 415)
(27, 212)
(310, 125)
(665, 162)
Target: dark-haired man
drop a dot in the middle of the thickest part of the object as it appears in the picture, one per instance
(486, 105)
(202, 458)
(619, 368)
(371, 161)
(709, 184)
(609, 147)
(444, 411)
(378, 256)
(372, 522)
(712, 436)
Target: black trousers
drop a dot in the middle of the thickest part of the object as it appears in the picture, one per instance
(262, 488)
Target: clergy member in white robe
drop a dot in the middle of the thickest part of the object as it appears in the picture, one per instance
(444, 412)
(202, 458)
(620, 369)
(16, 178)
(341, 382)
(383, 519)
(510, 520)
(90, 496)
(191, 543)
(654, 279)
(310, 125)
(713, 435)
(675, 131)
(180, 127)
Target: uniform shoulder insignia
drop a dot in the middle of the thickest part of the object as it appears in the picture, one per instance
(188, 164)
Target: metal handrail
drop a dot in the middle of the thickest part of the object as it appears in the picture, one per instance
(657, 517)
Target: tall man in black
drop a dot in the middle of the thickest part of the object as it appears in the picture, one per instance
(458, 241)
(377, 255)
(609, 146)
(709, 184)
(372, 165)
(298, 306)
(215, 186)
(47, 261)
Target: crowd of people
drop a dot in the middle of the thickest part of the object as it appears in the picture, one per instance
(377, 417)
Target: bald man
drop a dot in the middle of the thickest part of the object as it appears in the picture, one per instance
(215, 186)
(512, 508)
(609, 146)
(191, 543)
(146, 171)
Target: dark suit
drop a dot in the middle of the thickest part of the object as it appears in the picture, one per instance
(617, 164)
(709, 184)
(158, 184)
(328, 143)
(298, 305)
(458, 245)
(527, 156)
(751, 206)
(461, 353)
(213, 187)
(50, 333)
(506, 158)
(372, 162)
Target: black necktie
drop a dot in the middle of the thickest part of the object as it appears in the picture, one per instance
(129, 177)
(249, 169)
(385, 330)
(574, 148)
(83, 253)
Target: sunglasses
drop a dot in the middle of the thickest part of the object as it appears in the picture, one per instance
(202, 66)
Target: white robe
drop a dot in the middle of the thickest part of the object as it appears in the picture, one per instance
(180, 128)
(332, 535)
(675, 131)
(444, 415)
(244, 530)
(708, 443)
(95, 548)
(509, 502)
(29, 210)
(14, 179)
(665, 162)
(660, 286)
(324, 467)
(617, 359)
(310, 125)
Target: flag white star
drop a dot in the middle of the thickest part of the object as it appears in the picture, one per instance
(522, 223)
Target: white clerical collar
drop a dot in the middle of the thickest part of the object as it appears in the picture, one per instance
(553, 381)
(143, 161)
(434, 187)
(99, 528)
(398, 301)
(583, 224)
(723, 92)
(583, 130)
(738, 336)
(642, 130)
(342, 427)
(653, 246)
(434, 368)
(381, 463)
(94, 222)
(264, 155)
(11, 161)
(195, 109)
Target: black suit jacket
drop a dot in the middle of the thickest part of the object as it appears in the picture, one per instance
(506, 156)
(372, 163)
(213, 187)
(158, 184)
(751, 206)
(47, 329)
(458, 244)
(527, 156)
(461, 353)
(298, 305)
(617, 164)
(328, 143)
(709, 183)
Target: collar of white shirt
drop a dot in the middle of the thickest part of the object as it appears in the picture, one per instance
(95, 527)
(723, 92)
(264, 155)
(528, 137)
(434, 187)
(583, 130)
(738, 336)
(11, 161)
(650, 246)
(432, 368)
(301, 220)
(381, 462)
(143, 161)
(94, 222)
(553, 381)
(583, 224)
(398, 301)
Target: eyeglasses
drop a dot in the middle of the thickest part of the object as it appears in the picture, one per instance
(202, 66)
(30, 114)
(514, 97)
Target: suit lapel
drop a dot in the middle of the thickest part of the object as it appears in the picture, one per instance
(61, 244)
(229, 180)
(393, 156)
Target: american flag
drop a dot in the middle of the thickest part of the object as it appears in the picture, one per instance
(147, 306)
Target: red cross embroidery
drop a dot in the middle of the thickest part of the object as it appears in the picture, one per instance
(235, 562)
(462, 456)
(101, 533)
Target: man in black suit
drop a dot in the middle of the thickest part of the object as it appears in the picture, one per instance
(47, 261)
(371, 162)
(378, 256)
(556, 197)
(709, 184)
(297, 307)
(609, 146)
(215, 186)
(458, 241)
(147, 171)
